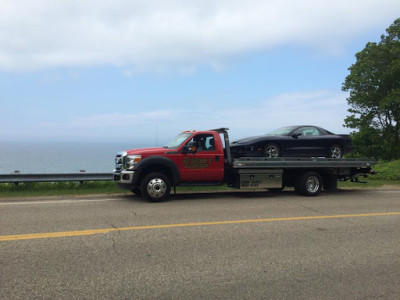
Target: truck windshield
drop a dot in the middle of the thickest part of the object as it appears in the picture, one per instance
(178, 140)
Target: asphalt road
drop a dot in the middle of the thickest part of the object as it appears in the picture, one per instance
(202, 246)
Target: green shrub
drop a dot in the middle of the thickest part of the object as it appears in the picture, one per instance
(387, 170)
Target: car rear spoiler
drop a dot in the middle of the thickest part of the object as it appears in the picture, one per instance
(346, 136)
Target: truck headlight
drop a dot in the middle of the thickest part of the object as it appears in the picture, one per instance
(131, 161)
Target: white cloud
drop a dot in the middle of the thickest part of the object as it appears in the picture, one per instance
(156, 33)
(322, 108)
(120, 120)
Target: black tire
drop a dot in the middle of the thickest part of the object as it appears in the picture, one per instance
(155, 187)
(335, 151)
(309, 184)
(136, 190)
(272, 150)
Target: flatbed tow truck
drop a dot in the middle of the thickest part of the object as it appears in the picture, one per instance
(203, 158)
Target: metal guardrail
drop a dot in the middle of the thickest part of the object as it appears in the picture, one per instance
(17, 177)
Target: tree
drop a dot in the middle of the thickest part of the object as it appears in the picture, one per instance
(374, 97)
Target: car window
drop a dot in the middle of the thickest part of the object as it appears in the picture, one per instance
(282, 131)
(307, 131)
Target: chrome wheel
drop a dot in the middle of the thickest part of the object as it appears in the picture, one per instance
(271, 151)
(312, 184)
(156, 188)
(335, 151)
(308, 184)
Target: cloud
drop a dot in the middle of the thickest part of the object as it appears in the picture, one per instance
(121, 120)
(323, 108)
(142, 35)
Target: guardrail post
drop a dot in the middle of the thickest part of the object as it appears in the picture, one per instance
(16, 172)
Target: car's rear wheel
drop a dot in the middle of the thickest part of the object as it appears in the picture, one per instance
(272, 151)
(335, 151)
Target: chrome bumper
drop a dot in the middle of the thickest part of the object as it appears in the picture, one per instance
(123, 177)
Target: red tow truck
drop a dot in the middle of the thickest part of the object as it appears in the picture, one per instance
(204, 158)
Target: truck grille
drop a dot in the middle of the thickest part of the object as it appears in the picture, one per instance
(119, 161)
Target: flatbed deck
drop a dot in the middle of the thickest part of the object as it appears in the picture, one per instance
(300, 162)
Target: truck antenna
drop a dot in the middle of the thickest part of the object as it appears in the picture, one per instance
(156, 135)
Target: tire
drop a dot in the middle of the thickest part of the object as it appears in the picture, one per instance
(309, 184)
(335, 151)
(136, 190)
(272, 151)
(155, 187)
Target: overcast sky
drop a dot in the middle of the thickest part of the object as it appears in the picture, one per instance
(118, 70)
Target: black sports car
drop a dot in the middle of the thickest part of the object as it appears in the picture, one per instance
(294, 141)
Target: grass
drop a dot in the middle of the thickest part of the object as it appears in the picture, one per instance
(387, 170)
(33, 189)
(388, 175)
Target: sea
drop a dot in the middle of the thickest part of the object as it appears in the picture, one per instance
(60, 157)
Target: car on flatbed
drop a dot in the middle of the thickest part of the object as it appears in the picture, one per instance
(204, 158)
(294, 141)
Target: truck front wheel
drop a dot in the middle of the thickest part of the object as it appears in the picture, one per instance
(155, 187)
(309, 184)
(136, 190)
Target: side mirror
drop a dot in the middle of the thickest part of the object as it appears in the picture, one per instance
(296, 135)
(185, 149)
(190, 147)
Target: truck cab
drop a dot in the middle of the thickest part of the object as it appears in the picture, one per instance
(191, 157)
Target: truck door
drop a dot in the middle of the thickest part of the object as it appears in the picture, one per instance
(204, 162)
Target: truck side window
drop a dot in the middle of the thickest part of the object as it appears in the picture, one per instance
(204, 142)
(210, 143)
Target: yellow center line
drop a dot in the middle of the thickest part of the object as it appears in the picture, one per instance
(29, 236)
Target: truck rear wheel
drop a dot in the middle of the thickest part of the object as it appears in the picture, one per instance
(309, 184)
(155, 187)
